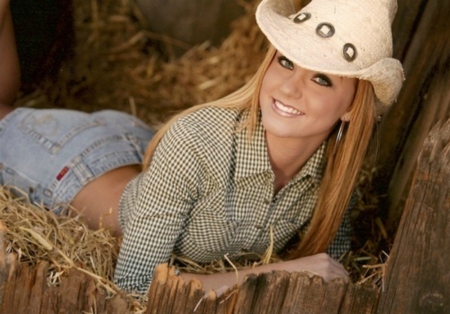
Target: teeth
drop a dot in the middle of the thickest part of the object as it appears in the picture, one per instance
(286, 109)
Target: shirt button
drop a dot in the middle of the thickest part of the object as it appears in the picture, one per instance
(258, 226)
(266, 201)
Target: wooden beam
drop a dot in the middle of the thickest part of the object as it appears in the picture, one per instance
(421, 103)
(418, 271)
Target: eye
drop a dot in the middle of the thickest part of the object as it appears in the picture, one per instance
(286, 63)
(323, 80)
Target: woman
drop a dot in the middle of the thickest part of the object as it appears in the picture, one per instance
(281, 155)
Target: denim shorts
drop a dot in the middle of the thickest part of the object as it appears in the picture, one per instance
(50, 154)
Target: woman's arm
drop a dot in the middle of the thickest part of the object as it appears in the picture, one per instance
(320, 264)
(9, 61)
(157, 205)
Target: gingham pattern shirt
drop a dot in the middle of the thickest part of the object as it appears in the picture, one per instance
(209, 192)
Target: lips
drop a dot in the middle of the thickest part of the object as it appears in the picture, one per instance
(284, 110)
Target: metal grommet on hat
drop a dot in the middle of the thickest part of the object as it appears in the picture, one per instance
(302, 17)
(350, 52)
(325, 30)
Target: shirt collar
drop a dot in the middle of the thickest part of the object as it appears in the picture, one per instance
(252, 157)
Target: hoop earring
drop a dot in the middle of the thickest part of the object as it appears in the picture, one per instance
(339, 136)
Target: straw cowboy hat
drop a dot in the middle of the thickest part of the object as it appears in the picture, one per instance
(350, 38)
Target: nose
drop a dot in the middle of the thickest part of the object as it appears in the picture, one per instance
(293, 84)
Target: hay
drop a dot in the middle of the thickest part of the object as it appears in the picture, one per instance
(118, 64)
(35, 234)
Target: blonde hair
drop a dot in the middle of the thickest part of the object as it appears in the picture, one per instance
(342, 168)
(341, 173)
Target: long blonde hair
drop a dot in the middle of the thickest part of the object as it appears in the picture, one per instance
(342, 167)
(341, 173)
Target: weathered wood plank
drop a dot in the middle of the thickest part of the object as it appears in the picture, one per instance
(295, 293)
(100, 303)
(5, 264)
(71, 291)
(39, 286)
(313, 296)
(25, 280)
(94, 301)
(418, 269)
(180, 300)
(270, 292)
(117, 305)
(333, 298)
(9, 285)
(50, 301)
(227, 302)
(172, 289)
(210, 303)
(359, 299)
(265, 293)
(157, 289)
(405, 24)
(426, 60)
(281, 284)
(195, 293)
(246, 294)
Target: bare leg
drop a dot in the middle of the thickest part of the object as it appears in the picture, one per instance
(4, 110)
(98, 201)
(9, 62)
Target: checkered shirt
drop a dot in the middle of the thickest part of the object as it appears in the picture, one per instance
(209, 192)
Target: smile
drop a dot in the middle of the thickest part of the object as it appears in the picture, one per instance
(285, 111)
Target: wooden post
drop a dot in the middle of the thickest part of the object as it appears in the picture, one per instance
(421, 37)
(418, 272)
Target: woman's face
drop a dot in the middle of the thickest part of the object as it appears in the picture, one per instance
(303, 104)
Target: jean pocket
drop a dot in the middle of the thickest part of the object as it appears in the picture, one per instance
(52, 130)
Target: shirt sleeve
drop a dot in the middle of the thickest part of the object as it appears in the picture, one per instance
(166, 193)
